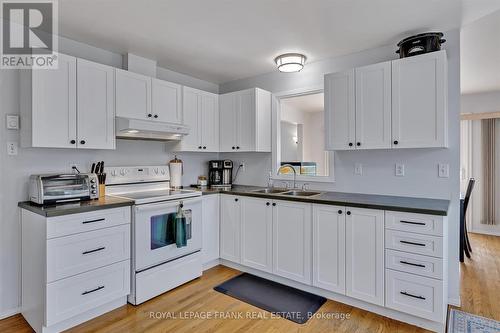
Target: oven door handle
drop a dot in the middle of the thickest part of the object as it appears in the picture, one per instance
(165, 205)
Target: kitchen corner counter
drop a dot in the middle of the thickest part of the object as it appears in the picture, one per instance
(75, 207)
(373, 201)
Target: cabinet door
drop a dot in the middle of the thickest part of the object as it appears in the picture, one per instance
(230, 211)
(246, 120)
(210, 227)
(373, 106)
(133, 95)
(95, 105)
(419, 101)
(191, 115)
(228, 110)
(209, 122)
(166, 99)
(54, 105)
(256, 233)
(365, 254)
(292, 240)
(340, 110)
(329, 248)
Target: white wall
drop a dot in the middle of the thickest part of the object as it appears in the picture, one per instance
(15, 170)
(481, 102)
(421, 179)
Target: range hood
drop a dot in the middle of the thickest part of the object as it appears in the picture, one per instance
(137, 129)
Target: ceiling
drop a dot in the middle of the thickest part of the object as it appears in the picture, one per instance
(306, 103)
(480, 55)
(224, 40)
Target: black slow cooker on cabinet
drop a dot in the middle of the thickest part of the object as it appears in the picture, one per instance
(420, 44)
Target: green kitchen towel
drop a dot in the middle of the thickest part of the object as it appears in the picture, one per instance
(180, 228)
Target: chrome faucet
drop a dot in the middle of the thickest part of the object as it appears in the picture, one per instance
(294, 173)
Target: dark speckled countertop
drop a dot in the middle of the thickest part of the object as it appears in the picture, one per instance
(75, 207)
(374, 201)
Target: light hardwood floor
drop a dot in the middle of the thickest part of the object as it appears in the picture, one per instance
(479, 292)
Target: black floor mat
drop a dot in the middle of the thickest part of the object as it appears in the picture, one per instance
(290, 303)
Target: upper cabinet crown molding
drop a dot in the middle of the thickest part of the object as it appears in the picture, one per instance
(68, 107)
(245, 121)
(394, 104)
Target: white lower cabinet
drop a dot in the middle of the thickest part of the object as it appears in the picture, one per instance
(329, 248)
(256, 233)
(365, 254)
(210, 227)
(230, 222)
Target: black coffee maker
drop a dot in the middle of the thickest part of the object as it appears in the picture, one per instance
(220, 173)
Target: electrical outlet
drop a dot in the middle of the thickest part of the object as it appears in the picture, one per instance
(443, 170)
(399, 170)
(12, 148)
(358, 169)
(242, 165)
(72, 167)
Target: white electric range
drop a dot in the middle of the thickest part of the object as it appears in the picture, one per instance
(158, 265)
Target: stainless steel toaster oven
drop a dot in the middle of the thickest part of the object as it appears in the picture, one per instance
(54, 188)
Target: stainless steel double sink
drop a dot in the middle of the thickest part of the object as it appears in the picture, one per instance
(294, 193)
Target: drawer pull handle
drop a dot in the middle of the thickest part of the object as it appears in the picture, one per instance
(411, 243)
(410, 222)
(94, 250)
(92, 221)
(410, 295)
(410, 263)
(93, 290)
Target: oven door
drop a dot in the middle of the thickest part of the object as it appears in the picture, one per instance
(155, 234)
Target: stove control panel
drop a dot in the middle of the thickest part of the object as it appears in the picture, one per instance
(136, 174)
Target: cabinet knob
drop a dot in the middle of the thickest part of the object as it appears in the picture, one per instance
(233, 147)
(267, 203)
(236, 199)
(348, 213)
(237, 147)
(358, 144)
(274, 204)
(350, 144)
(156, 116)
(150, 115)
(396, 142)
(204, 147)
(72, 142)
(199, 147)
(82, 142)
(340, 211)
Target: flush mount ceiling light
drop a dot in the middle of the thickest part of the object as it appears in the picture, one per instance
(290, 62)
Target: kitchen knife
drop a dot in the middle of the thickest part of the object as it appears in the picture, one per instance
(97, 167)
(92, 169)
(102, 166)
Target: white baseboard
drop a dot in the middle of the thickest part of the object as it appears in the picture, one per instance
(211, 264)
(10, 313)
(454, 301)
(485, 232)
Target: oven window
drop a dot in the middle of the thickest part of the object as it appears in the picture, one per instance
(163, 229)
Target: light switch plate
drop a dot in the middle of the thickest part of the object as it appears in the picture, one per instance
(12, 148)
(399, 169)
(358, 169)
(443, 170)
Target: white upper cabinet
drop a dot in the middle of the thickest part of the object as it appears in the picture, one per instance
(419, 101)
(166, 101)
(394, 104)
(133, 95)
(245, 121)
(329, 248)
(201, 114)
(340, 125)
(373, 106)
(365, 254)
(95, 105)
(292, 240)
(48, 111)
(69, 107)
(256, 233)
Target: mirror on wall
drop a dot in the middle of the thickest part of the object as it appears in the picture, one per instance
(302, 135)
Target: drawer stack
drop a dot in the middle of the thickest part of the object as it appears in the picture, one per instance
(82, 263)
(414, 264)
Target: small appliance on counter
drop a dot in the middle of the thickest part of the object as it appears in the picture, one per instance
(176, 171)
(57, 188)
(220, 173)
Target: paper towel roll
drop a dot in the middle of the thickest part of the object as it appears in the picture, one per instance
(175, 174)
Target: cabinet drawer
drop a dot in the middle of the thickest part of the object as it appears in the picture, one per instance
(75, 223)
(418, 223)
(414, 243)
(416, 295)
(71, 255)
(414, 263)
(72, 296)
